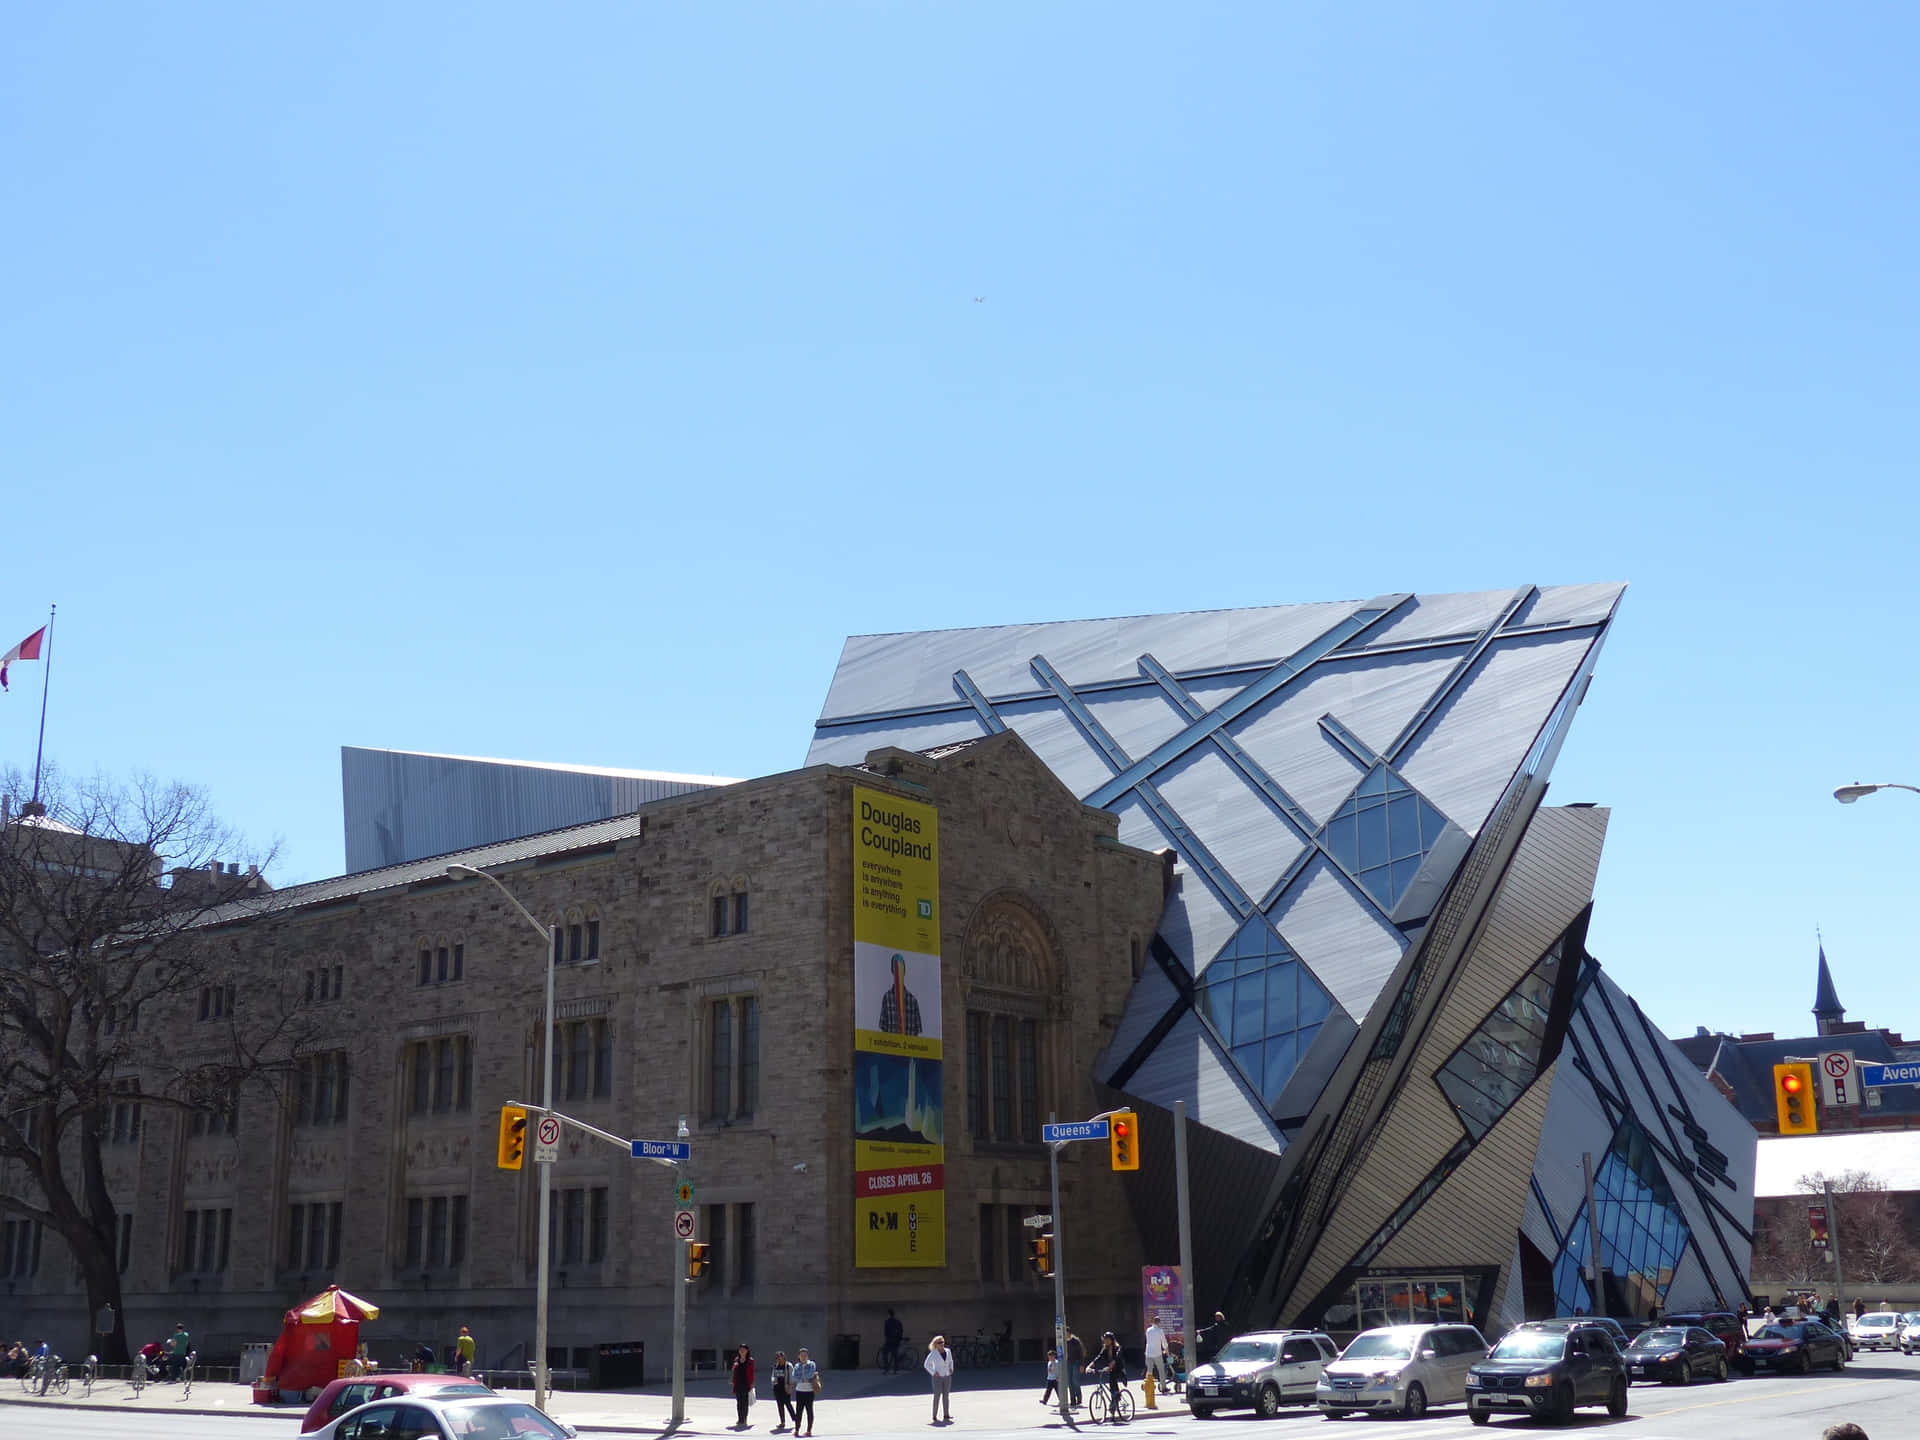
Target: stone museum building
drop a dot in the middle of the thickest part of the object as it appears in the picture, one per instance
(704, 972)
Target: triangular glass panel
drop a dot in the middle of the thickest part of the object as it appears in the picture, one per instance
(1264, 1004)
(1382, 834)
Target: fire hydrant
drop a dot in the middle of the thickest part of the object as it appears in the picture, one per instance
(1147, 1385)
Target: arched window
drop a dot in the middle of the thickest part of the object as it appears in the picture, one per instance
(728, 911)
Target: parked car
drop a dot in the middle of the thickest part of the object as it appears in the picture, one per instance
(1545, 1373)
(340, 1396)
(1799, 1347)
(1400, 1369)
(1910, 1332)
(1676, 1353)
(1263, 1371)
(1876, 1330)
(446, 1417)
(1724, 1327)
(1618, 1333)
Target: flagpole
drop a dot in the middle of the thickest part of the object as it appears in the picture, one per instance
(46, 684)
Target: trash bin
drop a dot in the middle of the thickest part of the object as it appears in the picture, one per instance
(620, 1365)
(253, 1361)
(843, 1352)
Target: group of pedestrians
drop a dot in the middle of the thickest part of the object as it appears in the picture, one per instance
(794, 1384)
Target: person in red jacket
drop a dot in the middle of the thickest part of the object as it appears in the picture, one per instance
(742, 1383)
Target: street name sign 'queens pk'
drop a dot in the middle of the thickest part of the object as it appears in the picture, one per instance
(1073, 1130)
(1874, 1076)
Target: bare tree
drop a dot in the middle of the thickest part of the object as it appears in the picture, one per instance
(111, 902)
(1867, 1221)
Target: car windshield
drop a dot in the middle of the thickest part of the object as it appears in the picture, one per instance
(1530, 1345)
(1239, 1351)
(1779, 1332)
(1878, 1318)
(500, 1422)
(1658, 1340)
(1382, 1345)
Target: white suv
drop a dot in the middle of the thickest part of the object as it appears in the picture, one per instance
(1401, 1369)
(1264, 1370)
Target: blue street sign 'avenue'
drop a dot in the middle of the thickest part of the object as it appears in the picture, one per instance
(1074, 1130)
(662, 1150)
(1872, 1076)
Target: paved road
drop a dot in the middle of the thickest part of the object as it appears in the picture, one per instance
(1880, 1392)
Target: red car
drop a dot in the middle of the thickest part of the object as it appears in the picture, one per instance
(354, 1391)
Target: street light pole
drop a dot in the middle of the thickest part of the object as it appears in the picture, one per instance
(1847, 794)
(551, 934)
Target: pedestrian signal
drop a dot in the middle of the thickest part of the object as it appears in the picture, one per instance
(1123, 1140)
(1040, 1254)
(696, 1260)
(513, 1136)
(1793, 1099)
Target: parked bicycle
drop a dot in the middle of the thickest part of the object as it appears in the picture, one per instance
(46, 1373)
(888, 1360)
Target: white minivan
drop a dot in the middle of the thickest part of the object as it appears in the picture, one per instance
(1400, 1370)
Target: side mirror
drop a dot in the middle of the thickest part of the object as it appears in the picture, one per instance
(1429, 1353)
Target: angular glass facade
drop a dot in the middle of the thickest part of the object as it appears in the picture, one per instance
(1382, 834)
(1503, 1056)
(1642, 1233)
(1264, 1003)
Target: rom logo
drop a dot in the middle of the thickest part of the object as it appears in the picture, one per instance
(892, 1220)
(925, 907)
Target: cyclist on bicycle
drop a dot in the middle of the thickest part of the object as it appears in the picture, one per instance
(895, 1335)
(1112, 1366)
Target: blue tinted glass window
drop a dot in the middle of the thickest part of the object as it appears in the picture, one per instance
(1643, 1233)
(1382, 834)
(1265, 1005)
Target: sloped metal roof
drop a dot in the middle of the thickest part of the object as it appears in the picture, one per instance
(1236, 738)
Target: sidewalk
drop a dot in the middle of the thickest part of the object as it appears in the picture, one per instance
(855, 1402)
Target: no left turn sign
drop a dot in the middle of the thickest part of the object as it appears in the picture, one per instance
(549, 1130)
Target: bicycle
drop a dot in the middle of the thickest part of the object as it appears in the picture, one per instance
(48, 1372)
(887, 1358)
(1105, 1404)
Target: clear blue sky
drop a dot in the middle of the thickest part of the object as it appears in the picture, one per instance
(565, 383)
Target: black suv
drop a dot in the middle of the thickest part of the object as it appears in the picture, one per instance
(1545, 1373)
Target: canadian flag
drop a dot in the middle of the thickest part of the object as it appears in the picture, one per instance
(27, 649)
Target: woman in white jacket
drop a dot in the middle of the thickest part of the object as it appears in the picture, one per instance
(939, 1364)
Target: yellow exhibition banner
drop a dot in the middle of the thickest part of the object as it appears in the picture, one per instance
(899, 1131)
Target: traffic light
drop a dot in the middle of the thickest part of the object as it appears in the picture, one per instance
(1123, 1139)
(696, 1260)
(1040, 1254)
(1793, 1099)
(513, 1136)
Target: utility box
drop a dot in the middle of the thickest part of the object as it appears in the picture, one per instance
(620, 1365)
(843, 1352)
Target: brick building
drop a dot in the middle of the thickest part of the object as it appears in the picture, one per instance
(705, 972)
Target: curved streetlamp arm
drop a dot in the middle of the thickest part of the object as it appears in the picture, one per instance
(456, 870)
(1847, 794)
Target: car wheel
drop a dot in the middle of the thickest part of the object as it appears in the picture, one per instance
(1617, 1399)
(1480, 1417)
(1416, 1405)
(1563, 1405)
(1720, 1368)
(1839, 1361)
(1685, 1376)
(1805, 1367)
(1201, 1412)
(1268, 1403)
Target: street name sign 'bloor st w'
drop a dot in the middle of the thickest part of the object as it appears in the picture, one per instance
(662, 1150)
(1073, 1130)
(1873, 1076)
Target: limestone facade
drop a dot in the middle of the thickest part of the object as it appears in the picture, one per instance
(714, 920)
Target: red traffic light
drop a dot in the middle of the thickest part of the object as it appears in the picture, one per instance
(1121, 1128)
(1790, 1083)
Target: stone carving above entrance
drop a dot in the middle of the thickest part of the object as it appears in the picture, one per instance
(1009, 945)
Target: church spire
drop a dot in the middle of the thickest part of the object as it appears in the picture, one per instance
(1828, 1012)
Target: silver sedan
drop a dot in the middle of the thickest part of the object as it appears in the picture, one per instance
(455, 1417)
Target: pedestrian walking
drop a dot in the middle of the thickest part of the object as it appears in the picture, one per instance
(806, 1385)
(781, 1375)
(939, 1364)
(742, 1383)
(464, 1349)
(1076, 1357)
(1053, 1378)
(1213, 1337)
(1156, 1352)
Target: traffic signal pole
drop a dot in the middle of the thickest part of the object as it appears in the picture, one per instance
(1833, 1243)
(680, 1284)
(1061, 1362)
